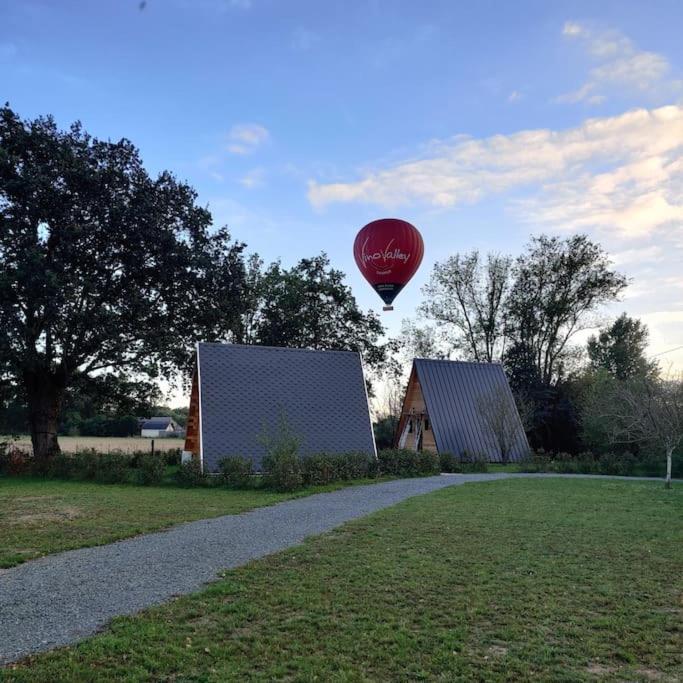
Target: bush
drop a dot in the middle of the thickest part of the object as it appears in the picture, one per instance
(402, 462)
(428, 463)
(150, 469)
(319, 469)
(113, 468)
(172, 457)
(281, 464)
(473, 462)
(190, 474)
(623, 464)
(60, 467)
(235, 472)
(13, 462)
(355, 465)
(449, 463)
(84, 464)
(283, 471)
(620, 464)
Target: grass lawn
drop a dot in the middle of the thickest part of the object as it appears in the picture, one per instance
(562, 580)
(38, 516)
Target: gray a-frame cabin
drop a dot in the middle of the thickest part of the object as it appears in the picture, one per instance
(240, 390)
(461, 408)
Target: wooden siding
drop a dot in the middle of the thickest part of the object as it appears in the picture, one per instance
(192, 435)
(414, 408)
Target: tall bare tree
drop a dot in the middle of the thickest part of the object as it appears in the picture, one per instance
(466, 296)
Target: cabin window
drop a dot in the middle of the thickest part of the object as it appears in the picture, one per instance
(426, 424)
(410, 426)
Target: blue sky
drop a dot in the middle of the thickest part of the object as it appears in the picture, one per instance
(299, 122)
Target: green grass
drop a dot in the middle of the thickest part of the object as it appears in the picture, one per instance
(38, 516)
(553, 580)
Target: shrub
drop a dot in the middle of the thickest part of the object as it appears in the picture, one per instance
(283, 471)
(319, 469)
(449, 463)
(190, 474)
(473, 462)
(281, 464)
(324, 468)
(84, 464)
(172, 456)
(355, 465)
(13, 461)
(235, 472)
(428, 463)
(402, 462)
(60, 467)
(113, 468)
(622, 464)
(150, 469)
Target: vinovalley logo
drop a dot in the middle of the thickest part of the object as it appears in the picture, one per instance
(383, 260)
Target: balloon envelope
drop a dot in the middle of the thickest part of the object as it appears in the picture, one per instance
(388, 252)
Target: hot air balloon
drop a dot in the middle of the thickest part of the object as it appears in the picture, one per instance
(388, 252)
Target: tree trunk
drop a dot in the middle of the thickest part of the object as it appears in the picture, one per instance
(669, 453)
(44, 394)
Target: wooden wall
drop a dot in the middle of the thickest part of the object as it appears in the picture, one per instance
(192, 434)
(414, 408)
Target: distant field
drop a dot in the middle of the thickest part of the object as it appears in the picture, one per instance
(104, 444)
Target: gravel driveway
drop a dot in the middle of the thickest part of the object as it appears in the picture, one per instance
(59, 599)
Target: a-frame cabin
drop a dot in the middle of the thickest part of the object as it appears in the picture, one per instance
(443, 410)
(239, 391)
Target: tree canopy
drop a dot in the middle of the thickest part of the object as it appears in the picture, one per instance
(310, 306)
(620, 349)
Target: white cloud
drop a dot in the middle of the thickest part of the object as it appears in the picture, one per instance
(514, 96)
(253, 179)
(621, 67)
(244, 138)
(623, 173)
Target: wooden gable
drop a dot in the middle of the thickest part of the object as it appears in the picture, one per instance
(414, 409)
(192, 433)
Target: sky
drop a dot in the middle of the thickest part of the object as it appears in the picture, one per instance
(300, 121)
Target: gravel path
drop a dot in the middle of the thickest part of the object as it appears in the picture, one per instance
(59, 599)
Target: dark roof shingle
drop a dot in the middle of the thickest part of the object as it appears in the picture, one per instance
(246, 388)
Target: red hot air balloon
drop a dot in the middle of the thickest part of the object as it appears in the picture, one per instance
(388, 252)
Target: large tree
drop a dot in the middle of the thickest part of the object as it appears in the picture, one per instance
(558, 283)
(466, 296)
(102, 267)
(620, 349)
(310, 306)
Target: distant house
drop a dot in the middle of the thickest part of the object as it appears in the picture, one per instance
(159, 427)
(240, 391)
(461, 408)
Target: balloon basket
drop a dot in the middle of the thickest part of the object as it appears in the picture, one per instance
(387, 308)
